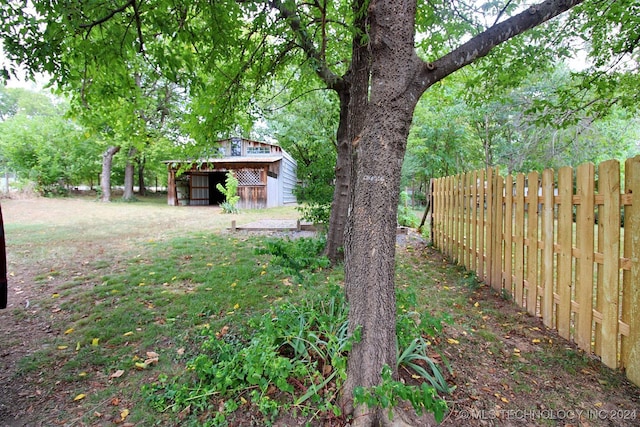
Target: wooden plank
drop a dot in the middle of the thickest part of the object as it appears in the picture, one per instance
(630, 351)
(585, 189)
(532, 248)
(508, 236)
(468, 221)
(609, 187)
(546, 275)
(474, 221)
(519, 240)
(460, 221)
(565, 240)
(490, 218)
(497, 249)
(481, 225)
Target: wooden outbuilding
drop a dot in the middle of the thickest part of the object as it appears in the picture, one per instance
(266, 176)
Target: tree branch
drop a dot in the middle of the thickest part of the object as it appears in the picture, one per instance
(483, 43)
(306, 44)
(108, 16)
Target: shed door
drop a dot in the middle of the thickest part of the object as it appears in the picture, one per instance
(215, 196)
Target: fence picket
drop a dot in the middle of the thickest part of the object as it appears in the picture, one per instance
(548, 206)
(532, 246)
(630, 352)
(565, 243)
(585, 190)
(609, 187)
(519, 239)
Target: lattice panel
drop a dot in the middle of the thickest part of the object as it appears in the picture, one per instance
(249, 177)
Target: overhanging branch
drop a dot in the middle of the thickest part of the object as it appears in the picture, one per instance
(483, 43)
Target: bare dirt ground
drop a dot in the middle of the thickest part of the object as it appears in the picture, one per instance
(500, 366)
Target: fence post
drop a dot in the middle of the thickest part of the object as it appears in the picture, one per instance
(631, 280)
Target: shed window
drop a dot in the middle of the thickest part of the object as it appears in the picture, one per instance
(258, 150)
(249, 177)
(236, 147)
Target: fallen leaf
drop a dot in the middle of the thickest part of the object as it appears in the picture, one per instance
(63, 347)
(535, 340)
(237, 306)
(79, 397)
(152, 354)
(68, 331)
(117, 374)
(127, 334)
(452, 341)
(78, 346)
(180, 351)
(95, 341)
(141, 365)
(222, 332)
(124, 414)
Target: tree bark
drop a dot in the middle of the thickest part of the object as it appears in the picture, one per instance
(353, 95)
(142, 188)
(398, 79)
(105, 177)
(128, 176)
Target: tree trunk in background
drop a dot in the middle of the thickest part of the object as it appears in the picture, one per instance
(105, 177)
(142, 188)
(128, 176)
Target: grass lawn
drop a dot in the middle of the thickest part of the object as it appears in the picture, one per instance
(110, 304)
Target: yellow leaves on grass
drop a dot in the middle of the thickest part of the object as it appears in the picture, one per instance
(152, 359)
(79, 397)
(452, 341)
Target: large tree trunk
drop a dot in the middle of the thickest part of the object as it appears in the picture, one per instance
(398, 79)
(105, 177)
(371, 228)
(353, 96)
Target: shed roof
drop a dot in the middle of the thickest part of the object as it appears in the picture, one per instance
(235, 159)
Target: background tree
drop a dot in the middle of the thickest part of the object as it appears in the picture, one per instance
(306, 128)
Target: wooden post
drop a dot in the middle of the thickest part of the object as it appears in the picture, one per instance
(481, 226)
(631, 278)
(233, 226)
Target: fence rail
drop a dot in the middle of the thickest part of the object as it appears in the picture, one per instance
(563, 245)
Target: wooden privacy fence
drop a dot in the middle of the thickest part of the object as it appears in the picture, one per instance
(565, 246)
